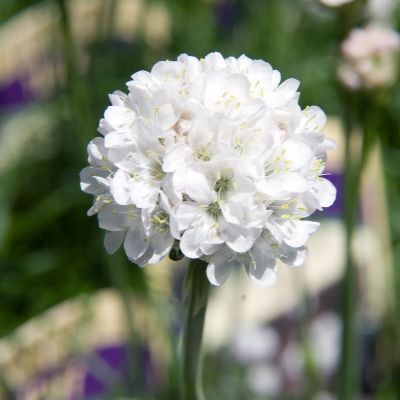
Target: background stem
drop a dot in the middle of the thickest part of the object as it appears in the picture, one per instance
(348, 356)
(197, 286)
(353, 169)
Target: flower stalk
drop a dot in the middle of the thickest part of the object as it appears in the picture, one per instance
(353, 168)
(348, 356)
(197, 287)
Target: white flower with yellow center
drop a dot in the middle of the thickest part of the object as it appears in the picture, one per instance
(214, 157)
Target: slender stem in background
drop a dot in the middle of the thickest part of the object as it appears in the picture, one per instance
(389, 136)
(353, 168)
(348, 356)
(198, 288)
(120, 280)
(77, 88)
(118, 277)
(310, 368)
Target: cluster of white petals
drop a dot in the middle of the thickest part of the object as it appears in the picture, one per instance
(213, 157)
(370, 58)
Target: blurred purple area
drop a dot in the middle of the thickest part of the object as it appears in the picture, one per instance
(108, 367)
(15, 93)
(103, 372)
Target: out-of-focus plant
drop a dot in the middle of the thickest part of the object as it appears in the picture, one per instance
(367, 72)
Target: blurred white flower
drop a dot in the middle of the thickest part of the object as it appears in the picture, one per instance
(254, 343)
(325, 332)
(264, 380)
(293, 361)
(382, 10)
(335, 3)
(324, 341)
(216, 156)
(370, 58)
(324, 396)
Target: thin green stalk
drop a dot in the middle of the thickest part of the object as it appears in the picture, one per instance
(353, 169)
(389, 134)
(119, 277)
(198, 288)
(348, 359)
(310, 368)
(76, 84)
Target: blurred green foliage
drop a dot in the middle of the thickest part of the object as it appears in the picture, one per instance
(49, 249)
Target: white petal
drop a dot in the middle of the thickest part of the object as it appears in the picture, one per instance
(197, 186)
(296, 233)
(161, 246)
(225, 93)
(214, 61)
(144, 194)
(283, 183)
(177, 157)
(135, 243)
(113, 241)
(187, 215)
(300, 257)
(296, 154)
(238, 238)
(118, 98)
(96, 150)
(90, 184)
(290, 85)
(191, 241)
(118, 140)
(262, 268)
(119, 187)
(220, 266)
(293, 256)
(166, 115)
(324, 191)
(313, 120)
(112, 220)
(243, 210)
(119, 117)
(210, 248)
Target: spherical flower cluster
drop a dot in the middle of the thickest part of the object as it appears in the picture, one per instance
(215, 158)
(370, 58)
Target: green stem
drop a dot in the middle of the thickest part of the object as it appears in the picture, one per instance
(120, 281)
(348, 358)
(198, 287)
(353, 172)
(389, 136)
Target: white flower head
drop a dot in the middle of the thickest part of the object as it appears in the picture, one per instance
(370, 58)
(214, 157)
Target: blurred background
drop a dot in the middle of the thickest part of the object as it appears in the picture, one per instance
(78, 324)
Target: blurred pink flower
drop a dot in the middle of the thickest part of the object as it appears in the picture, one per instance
(370, 57)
